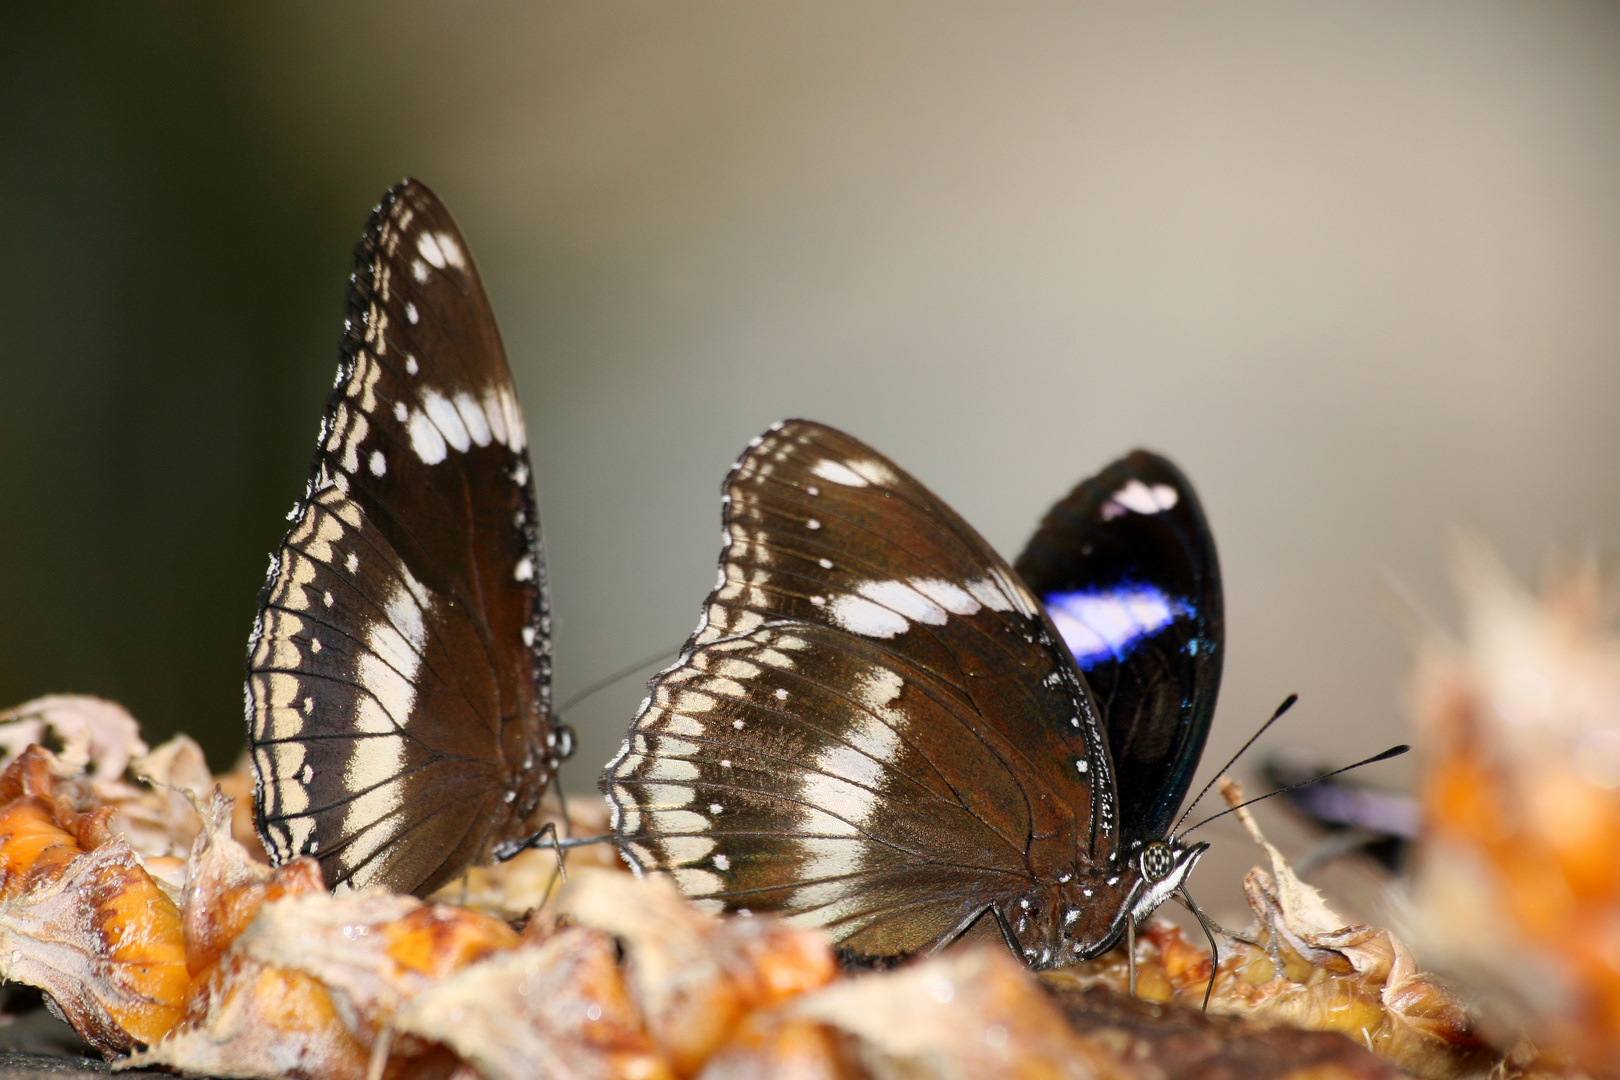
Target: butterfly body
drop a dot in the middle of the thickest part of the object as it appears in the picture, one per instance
(878, 729)
(399, 685)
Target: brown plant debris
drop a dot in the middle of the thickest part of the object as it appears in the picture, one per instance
(965, 1013)
(80, 918)
(1300, 964)
(1176, 1040)
(692, 975)
(557, 1005)
(217, 964)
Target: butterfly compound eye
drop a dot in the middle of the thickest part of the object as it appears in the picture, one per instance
(1157, 862)
(564, 741)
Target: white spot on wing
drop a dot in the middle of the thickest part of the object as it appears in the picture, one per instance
(511, 417)
(901, 597)
(428, 245)
(452, 251)
(838, 473)
(472, 415)
(953, 598)
(876, 689)
(693, 881)
(988, 593)
(496, 415)
(672, 769)
(875, 472)
(861, 616)
(1144, 499)
(426, 439)
(886, 608)
(379, 464)
(386, 670)
(446, 419)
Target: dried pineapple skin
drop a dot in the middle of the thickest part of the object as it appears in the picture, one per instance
(80, 918)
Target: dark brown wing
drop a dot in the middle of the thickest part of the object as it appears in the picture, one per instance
(874, 728)
(399, 686)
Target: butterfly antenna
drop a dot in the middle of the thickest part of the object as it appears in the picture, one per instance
(603, 684)
(1394, 751)
(1287, 703)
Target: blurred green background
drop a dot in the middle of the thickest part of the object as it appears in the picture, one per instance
(1356, 266)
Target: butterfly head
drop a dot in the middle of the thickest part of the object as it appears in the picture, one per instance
(1083, 914)
(1160, 867)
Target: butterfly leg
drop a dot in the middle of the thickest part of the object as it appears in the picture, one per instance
(556, 848)
(504, 852)
(1130, 953)
(1007, 933)
(1214, 950)
(967, 927)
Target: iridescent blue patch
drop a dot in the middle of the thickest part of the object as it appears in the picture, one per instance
(1107, 624)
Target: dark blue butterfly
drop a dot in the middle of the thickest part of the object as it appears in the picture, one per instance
(1126, 566)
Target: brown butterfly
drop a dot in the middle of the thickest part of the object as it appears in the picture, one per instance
(882, 729)
(399, 673)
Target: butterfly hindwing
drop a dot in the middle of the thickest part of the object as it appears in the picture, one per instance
(1126, 566)
(399, 703)
(874, 728)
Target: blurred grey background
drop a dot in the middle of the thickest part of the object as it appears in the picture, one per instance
(1355, 266)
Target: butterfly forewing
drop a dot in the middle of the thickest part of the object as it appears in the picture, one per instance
(399, 672)
(1127, 568)
(874, 727)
